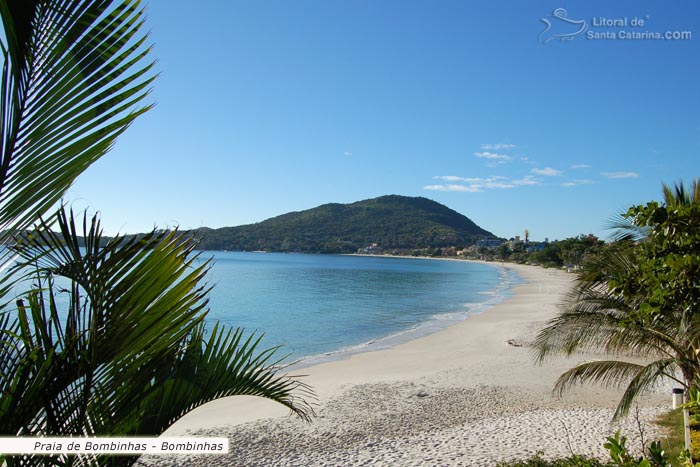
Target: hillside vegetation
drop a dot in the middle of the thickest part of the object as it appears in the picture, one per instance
(391, 222)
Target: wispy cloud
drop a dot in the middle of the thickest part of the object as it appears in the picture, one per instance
(580, 166)
(492, 156)
(450, 178)
(347, 153)
(491, 185)
(497, 146)
(526, 160)
(615, 175)
(578, 182)
(547, 172)
(451, 187)
(453, 178)
(526, 181)
(477, 185)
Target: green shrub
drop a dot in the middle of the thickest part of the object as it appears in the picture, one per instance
(619, 455)
(695, 443)
(538, 461)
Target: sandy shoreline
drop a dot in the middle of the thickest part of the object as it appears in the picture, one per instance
(462, 396)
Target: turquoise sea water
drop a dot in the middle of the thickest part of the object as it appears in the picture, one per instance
(322, 307)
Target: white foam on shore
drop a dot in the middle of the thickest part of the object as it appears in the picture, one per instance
(460, 397)
(508, 278)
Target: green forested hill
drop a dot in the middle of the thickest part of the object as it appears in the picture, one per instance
(392, 222)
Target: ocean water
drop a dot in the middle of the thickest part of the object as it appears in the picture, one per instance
(324, 307)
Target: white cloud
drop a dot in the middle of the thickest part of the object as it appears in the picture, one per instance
(620, 174)
(498, 146)
(496, 185)
(453, 178)
(477, 185)
(580, 166)
(578, 182)
(547, 171)
(492, 156)
(451, 187)
(448, 178)
(347, 153)
(498, 182)
(526, 181)
(525, 160)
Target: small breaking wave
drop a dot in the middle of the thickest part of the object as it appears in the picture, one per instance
(508, 278)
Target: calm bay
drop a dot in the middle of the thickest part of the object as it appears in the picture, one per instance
(322, 307)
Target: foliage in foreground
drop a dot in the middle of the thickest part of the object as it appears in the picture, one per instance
(638, 299)
(130, 354)
(674, 441)
(620, 456)
(572, 461)
(121, 349)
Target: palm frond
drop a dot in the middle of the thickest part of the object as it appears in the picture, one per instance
(617, 374)
(591, 321)
(593, 332)
(680, 196)
(224, 363)
(624, 229)
(130, 284)
(608, 373)
(636, 297)
(114, 315)
(73, 77)
(614, 260)
(131, 355)
(645, 379)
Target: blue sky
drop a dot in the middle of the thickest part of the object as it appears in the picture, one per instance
(265, 107)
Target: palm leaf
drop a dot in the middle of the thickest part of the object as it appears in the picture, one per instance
(609, 373)
(593, 322)
(615, 373)
(602, 314)
(625, 230)
(132, 355)
(113, 315)
(226, 363)
(73, 77)
(679, 195)
(645, 379)
(130, 284)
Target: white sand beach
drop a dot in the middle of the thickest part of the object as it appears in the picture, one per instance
(469, 395)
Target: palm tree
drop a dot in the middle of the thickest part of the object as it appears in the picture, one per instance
(74, 76)
(129, 354)
(679, 196)
(637, 298)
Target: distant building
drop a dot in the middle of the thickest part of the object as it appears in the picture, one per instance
(514, 241)
(538, 246)
(373, 249)
(451, 251)
(489, 243)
